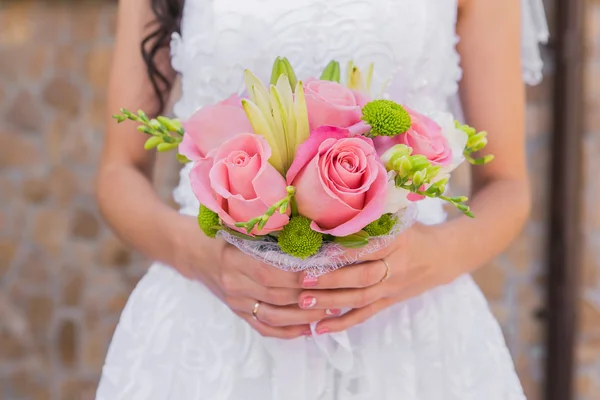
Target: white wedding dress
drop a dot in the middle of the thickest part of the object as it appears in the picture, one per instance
(176, 341)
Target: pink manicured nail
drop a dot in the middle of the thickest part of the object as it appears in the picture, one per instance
(307, 333)
(322, 331)
(309, 281)
(308, 302)
(333, 311)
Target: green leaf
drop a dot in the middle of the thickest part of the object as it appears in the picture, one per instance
(240, 235)
(182, 159)
(354, 241)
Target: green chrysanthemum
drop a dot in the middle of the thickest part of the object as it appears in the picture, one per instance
(382, 226)
(386, 118)
(298, 240)
(208, 222)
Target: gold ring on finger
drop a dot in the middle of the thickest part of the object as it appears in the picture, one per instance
(255, 310)
(388, 271)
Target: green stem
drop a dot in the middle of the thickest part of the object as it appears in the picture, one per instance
(166, 134)
(458, 202)
(281, 206)
(477, 161)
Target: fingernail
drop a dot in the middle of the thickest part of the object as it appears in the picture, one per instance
(307, 333)
(322, 331)
(333, 311)
(308, 302)
(309, 281)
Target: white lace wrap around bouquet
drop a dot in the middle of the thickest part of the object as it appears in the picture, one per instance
(312, 175)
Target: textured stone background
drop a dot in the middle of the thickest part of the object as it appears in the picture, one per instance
(64, 277)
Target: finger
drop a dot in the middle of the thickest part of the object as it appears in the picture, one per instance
(280, 316)
(269, 276)
(287, 332)
(352, 318)
(239, 285)
(354, 276)
(259, 272)
(401, 241)
(341, 298)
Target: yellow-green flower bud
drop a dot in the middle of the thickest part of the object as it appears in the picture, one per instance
(143, 116)
(282, 66)
(394, 153)
(170, 124)
(439, 186)
(152, 142)
(405, 167)
(420, 162)
(432, 171)
(163, 147)
(419, 178)
(145, 129)
(332, 72)
(155, 124)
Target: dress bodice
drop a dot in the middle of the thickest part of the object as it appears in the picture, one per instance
(411, 43)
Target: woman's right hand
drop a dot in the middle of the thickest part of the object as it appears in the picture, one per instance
(241, 281)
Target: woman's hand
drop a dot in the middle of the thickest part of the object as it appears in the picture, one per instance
(369, 287)
(240, 281)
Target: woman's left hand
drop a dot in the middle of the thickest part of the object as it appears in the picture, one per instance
(415, 266)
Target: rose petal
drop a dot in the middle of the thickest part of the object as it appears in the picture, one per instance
(213, 125)
(240, 177)
(374, 206)
(188, 148)
(310, 147)
(200, 181)
(316, 202)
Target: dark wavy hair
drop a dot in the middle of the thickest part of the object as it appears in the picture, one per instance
(167, 21)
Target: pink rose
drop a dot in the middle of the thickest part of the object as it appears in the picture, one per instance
(340, 182)
(330, 103)
(237, 182)
(425, 137)
(211, 126)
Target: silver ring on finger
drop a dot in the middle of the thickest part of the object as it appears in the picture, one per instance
(255, 310)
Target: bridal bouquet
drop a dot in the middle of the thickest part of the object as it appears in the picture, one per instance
(311, 175)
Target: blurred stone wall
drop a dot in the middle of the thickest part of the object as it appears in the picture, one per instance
(64, 277)
(588, 351)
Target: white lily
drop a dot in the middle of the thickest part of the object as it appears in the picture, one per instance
(355, 79)
(278, 115)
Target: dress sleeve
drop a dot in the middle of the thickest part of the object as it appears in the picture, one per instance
(534, 32)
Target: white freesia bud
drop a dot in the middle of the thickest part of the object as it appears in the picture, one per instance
(395, 152)
(456, 137)
(396, 198)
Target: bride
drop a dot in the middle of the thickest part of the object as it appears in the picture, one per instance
(188, 331)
